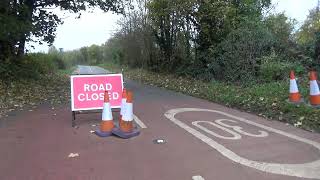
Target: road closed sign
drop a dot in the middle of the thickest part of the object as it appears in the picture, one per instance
(87, 91)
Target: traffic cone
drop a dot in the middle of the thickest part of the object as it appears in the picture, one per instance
(127, 129)
(107, 124)
(294, 96)
(123, 104)
(314, 90)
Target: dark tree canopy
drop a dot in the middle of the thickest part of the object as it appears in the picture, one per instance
(21, 19)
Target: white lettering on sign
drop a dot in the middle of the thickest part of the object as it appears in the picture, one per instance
(86, 87)
(81, 97)
(97, 87)
(304, 170)
(94, 87)
(96, 96)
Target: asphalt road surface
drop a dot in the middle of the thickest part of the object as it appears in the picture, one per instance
(88, 70)
(203, 140)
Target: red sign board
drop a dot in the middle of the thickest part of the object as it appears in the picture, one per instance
(87, 91)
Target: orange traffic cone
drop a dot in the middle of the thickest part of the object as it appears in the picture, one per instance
(107, 124)
(294, 96)
(126, 129)
(314, 90)
(123, 104)
(127, 124)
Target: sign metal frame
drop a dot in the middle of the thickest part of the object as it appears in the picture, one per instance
(90, 110)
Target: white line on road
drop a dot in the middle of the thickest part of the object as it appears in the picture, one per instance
(304, 170)
(90, 70)
(197, 178)
(139, 122)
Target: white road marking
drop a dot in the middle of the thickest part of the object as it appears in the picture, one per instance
(235, 136)
(239, 129)
(305, 170)
(90, 70)
(139, 122)
(197, 178)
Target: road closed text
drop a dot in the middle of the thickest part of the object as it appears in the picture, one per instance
(97, 92)
(87, 91)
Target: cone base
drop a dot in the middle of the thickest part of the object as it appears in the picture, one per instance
(106, 126)
(313, 106)
(126, 135)
(103, 134)
(294, 97)
(315, 100)
(295, 102)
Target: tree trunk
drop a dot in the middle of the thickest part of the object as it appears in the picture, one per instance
(21, 47)
(27, 16)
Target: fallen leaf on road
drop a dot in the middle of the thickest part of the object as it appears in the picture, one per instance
(298, 124)
(73, 155)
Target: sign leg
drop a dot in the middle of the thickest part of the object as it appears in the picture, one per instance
(73, 121)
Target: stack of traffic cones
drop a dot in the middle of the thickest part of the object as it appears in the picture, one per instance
(126, 128)
(107, 124)
(314, 90)
(294, 96)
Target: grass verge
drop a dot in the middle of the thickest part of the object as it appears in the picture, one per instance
(268, 100)
(19, 94)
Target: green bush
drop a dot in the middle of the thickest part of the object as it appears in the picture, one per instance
(30, 66)
(41, 63)
(237, 57)
(274, 69)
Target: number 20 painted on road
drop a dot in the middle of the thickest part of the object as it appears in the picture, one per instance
(305, 170)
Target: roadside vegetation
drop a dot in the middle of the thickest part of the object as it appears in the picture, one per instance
(37, 79)
(236, 53)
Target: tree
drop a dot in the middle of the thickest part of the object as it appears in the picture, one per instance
(53, 50)
(238, 56)
(22, 19)
(310, 27)
(173, 29)
(95, 54)
(216, 19)
(308, 36)
(281, 27)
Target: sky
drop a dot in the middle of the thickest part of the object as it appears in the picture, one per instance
(97, 27)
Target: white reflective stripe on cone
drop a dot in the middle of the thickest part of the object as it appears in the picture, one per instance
(314, 88)
(128, 115)
(293, 86)
(106, 113)
(123, 103)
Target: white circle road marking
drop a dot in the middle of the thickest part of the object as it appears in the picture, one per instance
(305, 170)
